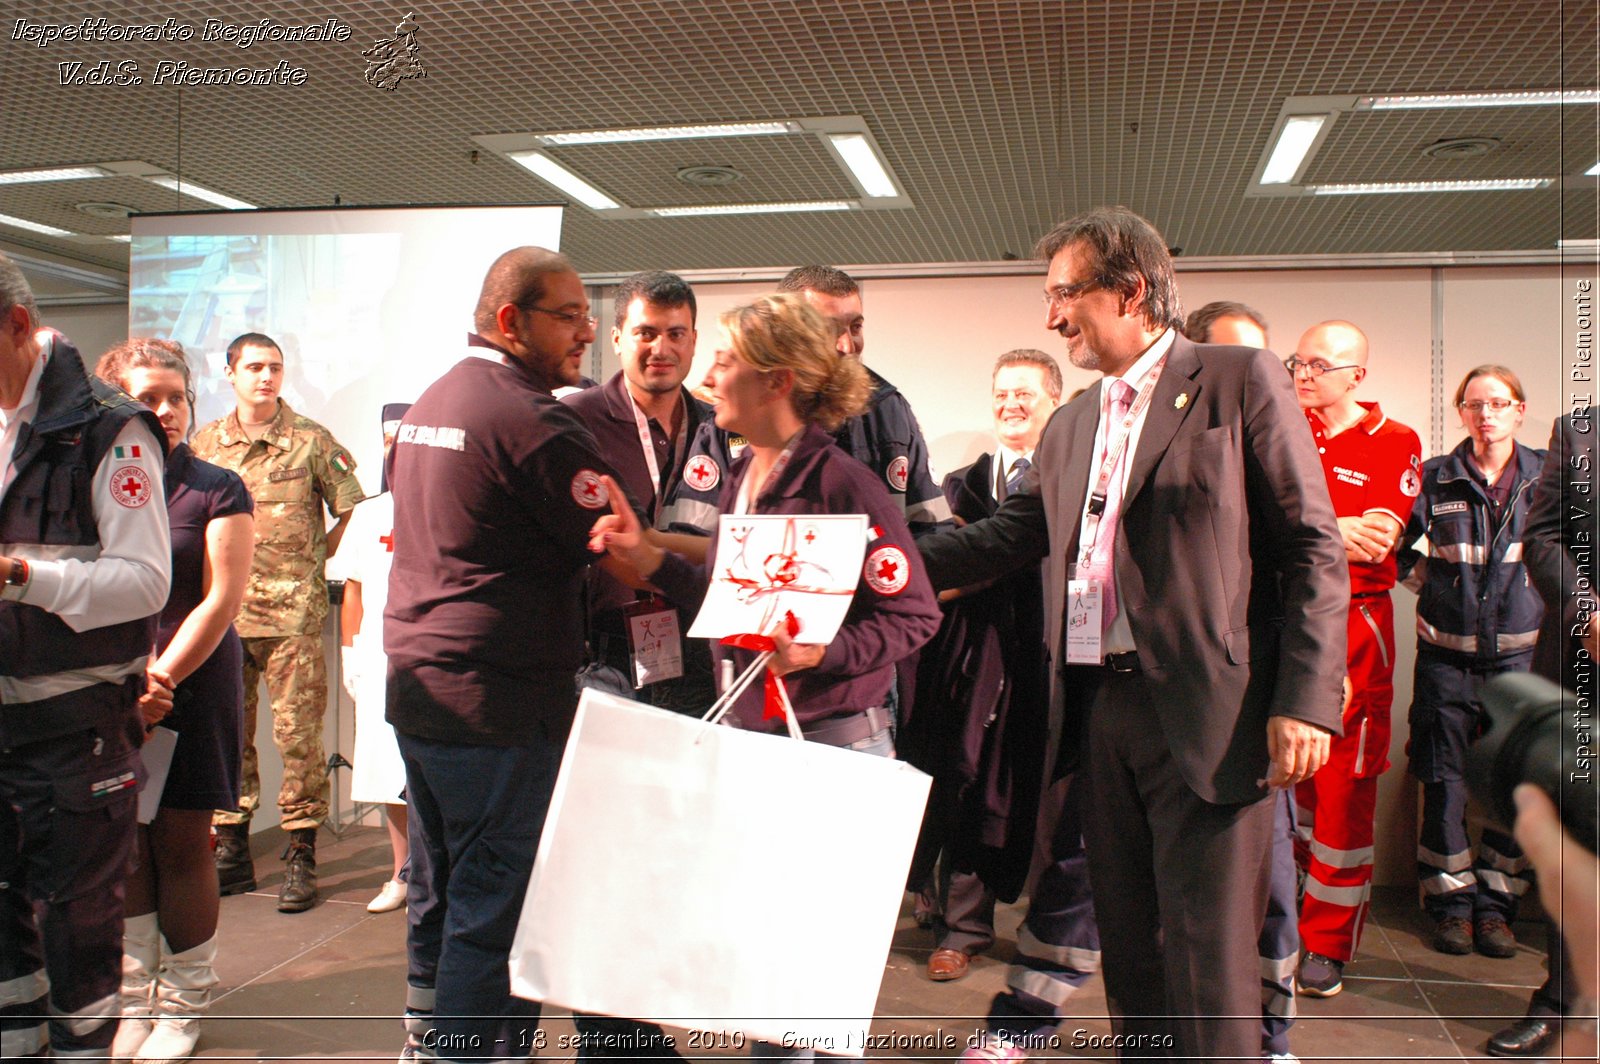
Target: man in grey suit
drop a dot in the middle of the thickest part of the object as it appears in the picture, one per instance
(1194, 565)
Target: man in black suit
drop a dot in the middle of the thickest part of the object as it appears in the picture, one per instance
(1193, 561)
(978, 729)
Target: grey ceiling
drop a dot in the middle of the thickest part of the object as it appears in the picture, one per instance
(998, 117)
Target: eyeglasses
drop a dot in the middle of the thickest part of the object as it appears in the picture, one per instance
(1061, 295)
(566, 317)
(1478, 406)
(1317, 369)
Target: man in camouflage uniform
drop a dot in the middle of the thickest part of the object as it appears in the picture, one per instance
(293, 467)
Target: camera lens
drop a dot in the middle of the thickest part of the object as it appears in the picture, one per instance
(1529, 740)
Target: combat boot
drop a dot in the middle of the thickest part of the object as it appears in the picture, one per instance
(299, 891)
(236, 873)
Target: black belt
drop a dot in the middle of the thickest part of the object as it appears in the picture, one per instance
(842, 731)
(611, 649)
(1126, 662)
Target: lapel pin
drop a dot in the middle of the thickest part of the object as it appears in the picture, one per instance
(1181, 401)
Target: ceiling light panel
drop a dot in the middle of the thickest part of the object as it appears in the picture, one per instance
(200, 192)
(810, 206)
(861, 158)
(1374, 188)
(1293, 146)
(36, 227)
(623, 136)
(60, 173)
(1425, 101)
(567, 181)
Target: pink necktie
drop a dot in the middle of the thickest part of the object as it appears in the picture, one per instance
(1100, 560)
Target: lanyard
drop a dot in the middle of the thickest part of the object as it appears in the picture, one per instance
(746, 499)
(1115, 443)
(648, 445)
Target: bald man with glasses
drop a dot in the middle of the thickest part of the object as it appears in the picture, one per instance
(1373, 468)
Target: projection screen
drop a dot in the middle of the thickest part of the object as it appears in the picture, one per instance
(370, 305)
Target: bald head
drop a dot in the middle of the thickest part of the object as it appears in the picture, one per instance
(516, 277)
(1337, 343)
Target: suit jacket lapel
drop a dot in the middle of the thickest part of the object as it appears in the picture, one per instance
(1165, 414)
(1077, 472)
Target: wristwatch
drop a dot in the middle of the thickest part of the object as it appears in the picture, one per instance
(16, 580)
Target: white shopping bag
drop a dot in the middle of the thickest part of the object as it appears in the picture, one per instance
(689, 873)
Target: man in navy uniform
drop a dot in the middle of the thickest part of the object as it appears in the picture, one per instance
(496, 485)
(85, 567)
(643, 419)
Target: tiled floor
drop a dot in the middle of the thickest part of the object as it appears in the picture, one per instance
(328, 983)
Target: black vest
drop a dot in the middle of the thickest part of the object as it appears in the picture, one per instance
(49, 503)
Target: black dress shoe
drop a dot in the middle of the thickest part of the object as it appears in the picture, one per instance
(1528, 1037)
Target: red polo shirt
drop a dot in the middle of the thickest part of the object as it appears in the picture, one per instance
(1374, 466)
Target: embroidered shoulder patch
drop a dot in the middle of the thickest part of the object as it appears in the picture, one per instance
(587, 491)
(898, 473)
(887, 570)
(701, 473)
(130, 487)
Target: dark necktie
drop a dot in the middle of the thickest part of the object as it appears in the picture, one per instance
(1014, 480)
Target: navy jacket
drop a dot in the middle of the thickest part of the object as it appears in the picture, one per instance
(886, 621)
(1475, 598)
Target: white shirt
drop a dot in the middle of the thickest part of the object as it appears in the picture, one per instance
(128, 575)
(1119, 637)
(1004, 459)
(365, 555)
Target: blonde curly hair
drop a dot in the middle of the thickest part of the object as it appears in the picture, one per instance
(783, 331)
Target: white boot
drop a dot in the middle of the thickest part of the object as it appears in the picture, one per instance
(183, 990)
(141, 957)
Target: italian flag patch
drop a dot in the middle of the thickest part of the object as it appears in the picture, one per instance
(126, 452)
(341, 462)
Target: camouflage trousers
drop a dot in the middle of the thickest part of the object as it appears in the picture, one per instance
(297, 681)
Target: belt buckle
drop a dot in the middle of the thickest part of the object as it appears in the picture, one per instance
(1128, 661)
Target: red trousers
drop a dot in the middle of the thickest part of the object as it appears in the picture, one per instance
(1337, 804)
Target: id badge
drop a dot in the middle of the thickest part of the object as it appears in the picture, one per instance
(655, 648)
(1083, 621)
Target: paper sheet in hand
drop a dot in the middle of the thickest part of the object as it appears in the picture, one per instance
(676, 856)
(771, 564)
(156, 753)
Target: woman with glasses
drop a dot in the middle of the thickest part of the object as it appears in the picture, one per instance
(1477, 616)
(170, 936)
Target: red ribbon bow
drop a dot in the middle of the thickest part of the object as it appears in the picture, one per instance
(773, 705)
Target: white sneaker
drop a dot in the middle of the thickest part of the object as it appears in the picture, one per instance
(390, 898)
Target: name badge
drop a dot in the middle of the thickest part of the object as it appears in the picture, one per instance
(287, 474)
(655, 647)
(1083, 621)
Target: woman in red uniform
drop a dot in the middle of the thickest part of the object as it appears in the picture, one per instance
(170, 940)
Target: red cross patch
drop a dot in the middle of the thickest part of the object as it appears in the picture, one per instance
(587, 491)
(388, 542)
(898, 473)
(701, 473)
(887, 570)
(130, 487)
(1410, 484)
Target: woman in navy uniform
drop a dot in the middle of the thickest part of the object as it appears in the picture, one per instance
(1477, 616)
(170, 938)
